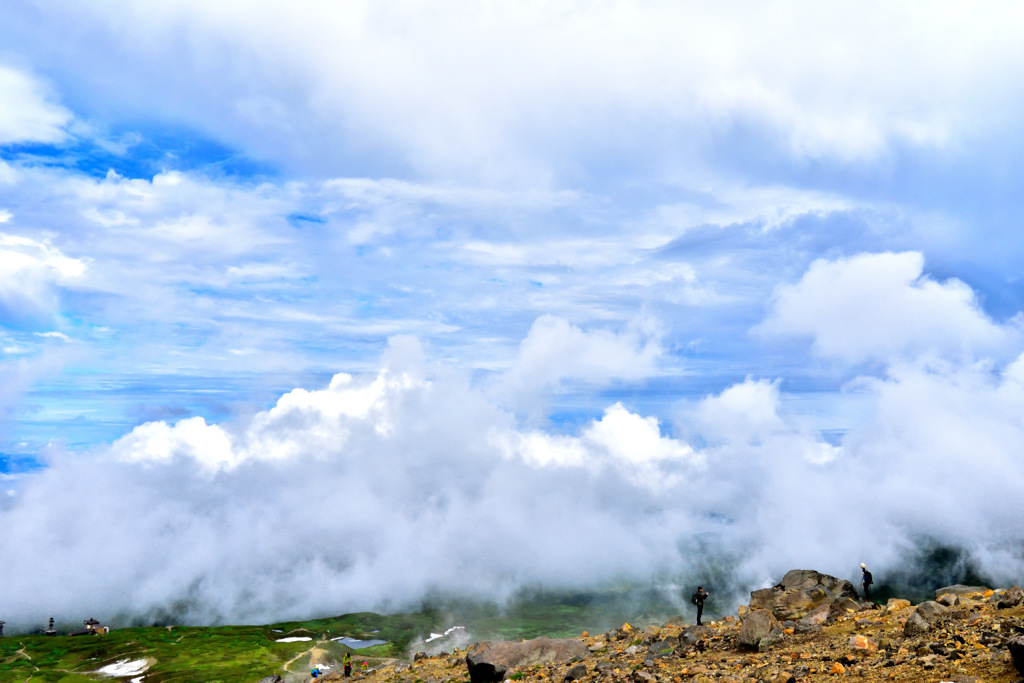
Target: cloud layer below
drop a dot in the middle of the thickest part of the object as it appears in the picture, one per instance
(379, 490)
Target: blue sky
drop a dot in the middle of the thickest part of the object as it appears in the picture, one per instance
(653, 235)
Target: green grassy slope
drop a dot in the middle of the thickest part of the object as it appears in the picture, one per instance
(245, 654)
(228, 654)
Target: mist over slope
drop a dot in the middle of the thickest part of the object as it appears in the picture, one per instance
(377, 491)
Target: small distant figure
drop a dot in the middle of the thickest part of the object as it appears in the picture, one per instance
(866, 581)
(2, 628)
(365, 666)
(347, 661)
(698, 599)
(315, 672)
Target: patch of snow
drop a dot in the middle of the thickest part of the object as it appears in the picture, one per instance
(125, 667)
(293, 639)
(435, 636)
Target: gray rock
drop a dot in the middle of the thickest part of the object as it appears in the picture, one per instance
(806, 579)
(575, 673)
(842, 606)
(932, 611)
(756, 625)
(1016, 648)
(949, 600)
(691, 634)
(643, 677)
(773, 638)
(1011, 597)
(663, 647)
(924, 618)
(960, 589)
(818, 616)
(490, 660)
(802, 591)
(271, 679)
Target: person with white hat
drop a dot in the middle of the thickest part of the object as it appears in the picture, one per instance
(866, 581)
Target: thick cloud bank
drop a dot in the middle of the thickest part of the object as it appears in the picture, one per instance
(375, 491)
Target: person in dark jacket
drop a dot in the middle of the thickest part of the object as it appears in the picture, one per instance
(865, 581)
(698, 599)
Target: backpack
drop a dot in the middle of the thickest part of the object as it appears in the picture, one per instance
(693, 598)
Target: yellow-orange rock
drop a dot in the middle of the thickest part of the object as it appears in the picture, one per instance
(837, 668)
(863, 644)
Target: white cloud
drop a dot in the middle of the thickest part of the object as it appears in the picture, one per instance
(30, 271)
(415, 462)
(882, 308)
(498, 94)
(620, 437)
(209, 445)
(741, 412)
(54, 335)
(27, 113)
(555, 351)
(634, 439)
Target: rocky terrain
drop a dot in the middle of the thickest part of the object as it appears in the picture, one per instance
(810, 627)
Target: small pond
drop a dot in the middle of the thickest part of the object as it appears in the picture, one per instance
(357, 644)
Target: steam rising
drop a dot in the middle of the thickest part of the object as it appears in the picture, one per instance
(375, 491)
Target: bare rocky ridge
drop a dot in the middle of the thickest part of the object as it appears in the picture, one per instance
(816, 632)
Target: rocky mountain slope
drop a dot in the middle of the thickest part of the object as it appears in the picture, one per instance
(808, 628)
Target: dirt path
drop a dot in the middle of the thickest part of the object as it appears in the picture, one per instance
(297, 657)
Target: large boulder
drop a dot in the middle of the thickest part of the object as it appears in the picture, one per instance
(806, 579)
(924, 618)
(801, 592)
(757, 625)
(1016, 647)
(960, 589)
(1011, 597)
(489, 661)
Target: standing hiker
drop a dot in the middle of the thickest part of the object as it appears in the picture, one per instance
(698, 599)
(347, 661)
(866, 581)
